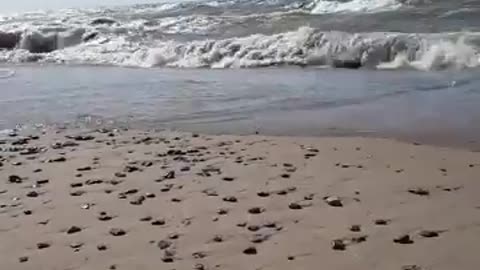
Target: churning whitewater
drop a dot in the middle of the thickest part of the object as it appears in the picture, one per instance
(383, 34)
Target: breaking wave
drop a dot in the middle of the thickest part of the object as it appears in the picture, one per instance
(227, 34)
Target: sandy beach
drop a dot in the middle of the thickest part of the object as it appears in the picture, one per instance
(130, 199)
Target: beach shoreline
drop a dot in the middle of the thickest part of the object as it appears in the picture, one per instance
(134, 199)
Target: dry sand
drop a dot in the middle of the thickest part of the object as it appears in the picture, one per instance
(164, 200)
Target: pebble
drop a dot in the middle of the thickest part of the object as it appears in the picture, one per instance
(338, 244)
(256, 210)
(32, 194)
(158, 222)
(14, 179)
(77, 193)
(428, 234)
(228, 179)
(120, 174)
(117, 232)
(217, 238)
(43, 245)
(76, 245)
(23, 259)
(146, 219)
(138, 200)
(333, 201)
(295, 206)
(355, 228)
(263, 194)
(231, 199)
(419, 191)
(102, 247)
(403, 239)
(74, 229)
(382, 222)
(259, 238)
(250, 251)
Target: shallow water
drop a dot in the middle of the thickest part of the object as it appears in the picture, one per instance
(436, 106)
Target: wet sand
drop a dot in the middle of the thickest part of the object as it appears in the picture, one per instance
(117, 199)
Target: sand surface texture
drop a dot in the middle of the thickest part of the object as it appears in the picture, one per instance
(71, 199)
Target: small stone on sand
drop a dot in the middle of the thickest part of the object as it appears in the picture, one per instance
(250, 251)
(117, 232)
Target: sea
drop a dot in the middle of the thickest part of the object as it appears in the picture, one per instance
(401, 68)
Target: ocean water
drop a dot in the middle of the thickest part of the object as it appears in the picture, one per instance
(376, 34)
(402, 68)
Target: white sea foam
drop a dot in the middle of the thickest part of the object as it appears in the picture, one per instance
(326, 6)
(443, 54)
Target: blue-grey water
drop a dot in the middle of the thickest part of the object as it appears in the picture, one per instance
(435, 106)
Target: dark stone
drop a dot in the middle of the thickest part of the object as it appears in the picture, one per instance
(217, 238)
(138, 200)
(333, 201)
(131, 191)
(43, 182)
(23, 259)
(222, 211)
(77, 193)
(256, 210)
(32, 194)
(250, 251)
(228, 179)
(419, 191)
(117, 232)
(74, 229)
(102, 247)
(146, 219)
(338, 244)
(429, 234)
(259, 238)
(81, 137)
(82, 169)
(382, 222)
(170, 175)
(130, 169)
(355, 228)
(43, 245)
(295, 206)
(403, 239)
(14, 179)
(253, 228)
(158, 222)
(285, 175)
(57, 159)
(90, 182)
(263, 194)
(231, 199)
(27, 212)
(76, 185)
(120, 174)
